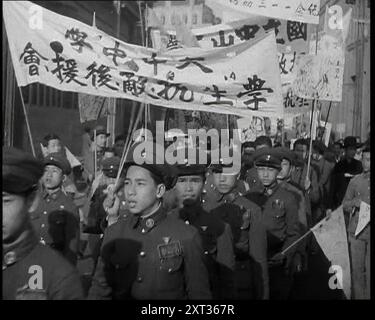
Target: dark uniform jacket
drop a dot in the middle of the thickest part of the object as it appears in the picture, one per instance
(280, 217)
(341, 175)
(56, 222)
(60, 281)
(158, 257)
(217, 239)
(249, 239)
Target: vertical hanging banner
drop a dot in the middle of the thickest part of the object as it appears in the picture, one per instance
(71, 56)
(331, 236)
(296, 10)
(321, 75)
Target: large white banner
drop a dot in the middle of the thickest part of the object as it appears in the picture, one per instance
(71, 56)
(292, 39)
(296, 10)
(291, 36)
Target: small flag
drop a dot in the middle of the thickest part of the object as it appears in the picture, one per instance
(363, 218)
(330, 233)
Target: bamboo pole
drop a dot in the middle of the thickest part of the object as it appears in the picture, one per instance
(27, 123)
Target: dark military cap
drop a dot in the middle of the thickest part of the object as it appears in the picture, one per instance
(99, 130)
(110, 166)
(267, 157)
(21, 171)
(145, 155)
(263, 140)
(58, 160)
(198, 167)
(285, 153)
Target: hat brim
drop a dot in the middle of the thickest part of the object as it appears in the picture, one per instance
(267, 164)
(56, 164)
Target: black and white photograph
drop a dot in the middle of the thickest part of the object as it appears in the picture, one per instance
(211, 151)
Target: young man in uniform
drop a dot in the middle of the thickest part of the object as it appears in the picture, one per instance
(56, 220)
(148, 255)
(31, 270)
(215, 234)
(359, 246)
(251, 175)
(288, 162)
(280, 217)
(249, 235)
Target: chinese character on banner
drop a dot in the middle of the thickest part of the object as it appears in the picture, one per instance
(32, 57)
(254, 89)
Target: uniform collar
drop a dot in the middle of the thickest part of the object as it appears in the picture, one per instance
(269, 191)
(19, 249)
(52, 196)
(145, 224)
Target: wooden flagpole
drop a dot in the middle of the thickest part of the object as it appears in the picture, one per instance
(27, 123)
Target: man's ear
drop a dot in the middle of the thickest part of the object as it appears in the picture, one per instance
(160, 190)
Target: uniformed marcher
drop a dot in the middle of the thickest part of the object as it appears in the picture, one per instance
(249, 234)
(299, 175)
(288, 163)
(325, 168)
(56, 220)
(149, 255)
(24, 257)
(216, 235)
(251, 175)
(280, 217)
(359, 246)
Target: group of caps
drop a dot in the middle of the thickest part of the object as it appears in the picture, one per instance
(22, 171)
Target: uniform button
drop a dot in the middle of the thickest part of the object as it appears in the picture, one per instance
(170, 270)
(139, 279)
(143, 231)
(48, 200)
(43, 225)
(44, 212)
(142, 254)
(123, 203)
(203, 201)
(212, 185)
(206, 252)
(187, 222)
